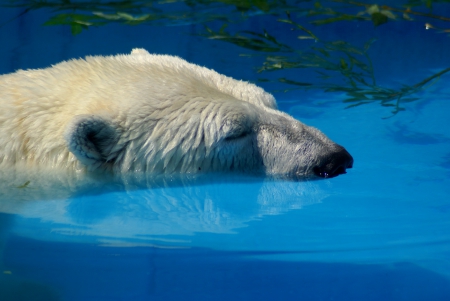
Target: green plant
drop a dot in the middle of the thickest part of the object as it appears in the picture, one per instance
(340, 66)
(330, 60)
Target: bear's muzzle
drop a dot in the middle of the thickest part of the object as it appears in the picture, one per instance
(334, 163)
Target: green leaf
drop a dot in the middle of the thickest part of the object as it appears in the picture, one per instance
(337, 19)
(125, 16)
(269, 37)
(338, 89)
(360, 64)
(388, 14)
(357, 104)
(353, 100)
(372, 9)
(343, 64)
(399, 109)
(323, 75)
(276, 58)
(24, 185)
(411, 99)
(368, 44)
(342, 46)
(242, 5)
(305, 38)
(222, 28)
(83, 23)
(379, 18)
(76, 28)
(322, 51)
(209, 30)
(262, 5)
(299, 27)
(57, 20)
(111, 17)
(292, 82)
(360, 95)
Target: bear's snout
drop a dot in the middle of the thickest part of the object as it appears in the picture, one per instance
(334, 163)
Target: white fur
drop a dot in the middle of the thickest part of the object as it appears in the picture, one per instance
(150, 113)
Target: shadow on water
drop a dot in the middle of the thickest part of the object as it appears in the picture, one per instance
(402, 134)
(446, 161)
(142, 273)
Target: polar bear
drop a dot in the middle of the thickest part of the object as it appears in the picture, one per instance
(154, 114)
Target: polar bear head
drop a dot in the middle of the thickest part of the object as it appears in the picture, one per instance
(154, 114)
(180, 117)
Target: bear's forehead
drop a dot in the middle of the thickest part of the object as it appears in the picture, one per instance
(177, 67)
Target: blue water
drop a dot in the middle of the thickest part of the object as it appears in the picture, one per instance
(380, 232)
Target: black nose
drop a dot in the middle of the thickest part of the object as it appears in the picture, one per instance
(334, 164)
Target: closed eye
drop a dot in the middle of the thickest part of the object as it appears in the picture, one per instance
(237, 136)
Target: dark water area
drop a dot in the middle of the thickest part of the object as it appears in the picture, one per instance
(196, 273)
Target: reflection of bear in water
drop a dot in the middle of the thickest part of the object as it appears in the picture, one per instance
(138, 208)
(154, 113)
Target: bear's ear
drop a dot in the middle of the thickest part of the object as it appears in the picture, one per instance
(139, 51)
(91, 139)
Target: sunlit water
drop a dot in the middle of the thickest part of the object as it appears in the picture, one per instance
(380, 232)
